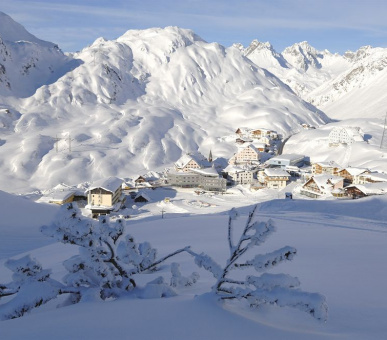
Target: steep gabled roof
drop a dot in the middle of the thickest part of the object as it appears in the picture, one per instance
(275, 172)
(325, 182)
(379, 188)
(330, 164)
(196, 156)
(355, 171)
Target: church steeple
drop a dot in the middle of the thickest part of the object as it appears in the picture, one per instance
(210, 157)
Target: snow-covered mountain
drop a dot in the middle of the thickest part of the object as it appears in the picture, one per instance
(343, 86)
(300, 66)
(27, 62)
(138, 103)
(360, 91)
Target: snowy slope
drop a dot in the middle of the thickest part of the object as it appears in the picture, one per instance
(138, 103)
(20, 222)
(300, 66)
(343, 86)
(358, 92)
(341, 254)
(372, 153)
(26, 62)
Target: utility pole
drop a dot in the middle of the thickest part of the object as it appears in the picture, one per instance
(69, 143)
(56, 143)
(384, 130)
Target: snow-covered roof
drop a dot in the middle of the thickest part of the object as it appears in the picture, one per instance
(325, 182)
(236, 169)
(142, 194)
(354, 132)
(244, 130)
(57, 196)
(376, 176)
(206, 172)
(355, 171)
(288, 157)
(379, 188)
(276, 172)
(196, 156)
(259, 145)
(110, 184)
(330, 164)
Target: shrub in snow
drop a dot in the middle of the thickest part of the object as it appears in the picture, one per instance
(275, 289)
(105, 267)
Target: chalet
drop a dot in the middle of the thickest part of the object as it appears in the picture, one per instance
(274, 178)
(321, 185)
(371, 177)
(238, 175)
(345, 135)
(141, 197)
(104, 195)
(329, 168)
(285, 160)
(243, 140)
(243, 131)
(351, 175)
(193, 160)
(247, 155)
(367, 189)
(260, 133)
(139, 180)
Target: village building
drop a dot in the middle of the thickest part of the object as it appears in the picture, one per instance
(345, 135)
(59, 197)
(206, 179)
(330, 168)
(351, 175)
(261, 133)
(264, 135)
(367, 189)
(141, 197)
(104, 195)
(243, 140)
(322, 185)
(193, 160)
(261, 147)
(371, 177)
(243, 131)
(282, 161)
(139, 180)
(238, 175)
(274, 178)
(247, 155)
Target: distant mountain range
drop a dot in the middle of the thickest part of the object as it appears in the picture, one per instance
(343, 86)
(137, 103)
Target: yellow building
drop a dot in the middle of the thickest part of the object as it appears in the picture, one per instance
(104, 195)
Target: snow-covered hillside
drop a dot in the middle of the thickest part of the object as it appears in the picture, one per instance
(358, 92)
(139, 102)
(371, 153)
(343, 86)
(26, 62)
(300, 66)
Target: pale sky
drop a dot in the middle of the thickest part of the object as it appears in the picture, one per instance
(336, 25)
